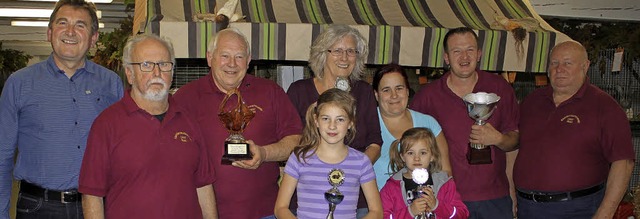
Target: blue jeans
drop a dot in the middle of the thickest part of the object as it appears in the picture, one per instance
(33, 207)
(500, 208)
(583, 207)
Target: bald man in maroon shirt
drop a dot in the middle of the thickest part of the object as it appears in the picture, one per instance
(576, 154)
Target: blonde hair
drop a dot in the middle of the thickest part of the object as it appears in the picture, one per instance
(311, 135)
(409, 138)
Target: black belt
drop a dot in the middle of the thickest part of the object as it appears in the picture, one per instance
(559, 197)
(64, 196)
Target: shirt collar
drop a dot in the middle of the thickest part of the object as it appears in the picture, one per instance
(88, 66)
(245, 84)
(548, 92)
(130, 106)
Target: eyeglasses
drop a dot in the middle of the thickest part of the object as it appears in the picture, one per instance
(339, 52)
(149, 66)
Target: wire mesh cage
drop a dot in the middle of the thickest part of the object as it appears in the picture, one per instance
(624, 87)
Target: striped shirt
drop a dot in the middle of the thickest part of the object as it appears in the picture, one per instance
(313, 181)
(47, 116)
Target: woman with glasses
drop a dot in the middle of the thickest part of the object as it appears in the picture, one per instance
(337, 60)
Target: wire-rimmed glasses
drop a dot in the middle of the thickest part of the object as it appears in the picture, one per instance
(339, 52)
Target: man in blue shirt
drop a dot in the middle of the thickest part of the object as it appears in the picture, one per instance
(46, 111)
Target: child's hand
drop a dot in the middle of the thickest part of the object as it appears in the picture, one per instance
(430, 198)
(419, 205)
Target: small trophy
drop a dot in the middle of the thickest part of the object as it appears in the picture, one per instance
(235, 120)
(480, 106)
(333, 195)
(420, 177)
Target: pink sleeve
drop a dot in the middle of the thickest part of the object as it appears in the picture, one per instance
(450, 204)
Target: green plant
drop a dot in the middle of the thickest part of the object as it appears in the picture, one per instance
(110, 45)
(10, 61)
(108, 52)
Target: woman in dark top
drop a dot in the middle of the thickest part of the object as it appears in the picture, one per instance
(337, 58)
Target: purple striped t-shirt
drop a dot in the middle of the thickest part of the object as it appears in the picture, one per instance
(313, 181)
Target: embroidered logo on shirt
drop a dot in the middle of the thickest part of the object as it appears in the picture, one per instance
(571, 119)
(182, 136)
(87, 91)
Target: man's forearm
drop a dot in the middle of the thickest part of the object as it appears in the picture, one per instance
(281, 150)
(92, 207)
(617, 182)
(509, 141)
(207, 200)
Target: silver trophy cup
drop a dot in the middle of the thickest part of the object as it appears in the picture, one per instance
(480, 106)
(333, 195)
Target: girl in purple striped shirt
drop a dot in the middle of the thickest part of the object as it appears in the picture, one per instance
(330, 121)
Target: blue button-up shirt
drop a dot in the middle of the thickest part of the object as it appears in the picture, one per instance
(47, 116)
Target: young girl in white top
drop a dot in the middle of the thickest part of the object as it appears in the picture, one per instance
(418, 150)
(324, 163)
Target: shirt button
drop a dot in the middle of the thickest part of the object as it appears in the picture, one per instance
(76, 123)
(74, 100)
(78, 146)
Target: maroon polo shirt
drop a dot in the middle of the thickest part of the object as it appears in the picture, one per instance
(570, 147)
(145, 168)
(242, 193)
(475, 182)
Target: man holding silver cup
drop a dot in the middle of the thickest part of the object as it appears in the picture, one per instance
(484, 186)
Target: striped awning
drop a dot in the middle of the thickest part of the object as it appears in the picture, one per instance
(408, 32)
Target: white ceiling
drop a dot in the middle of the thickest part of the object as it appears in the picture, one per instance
(33, 40)
(621, 10)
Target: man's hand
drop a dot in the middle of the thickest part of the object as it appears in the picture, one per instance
(258, 154)
(485, 134)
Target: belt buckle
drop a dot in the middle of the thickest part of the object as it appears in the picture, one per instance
(533, 197)
(69, 194)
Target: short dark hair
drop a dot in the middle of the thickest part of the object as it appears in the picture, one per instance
(389, 68)
(89, 6)
(459, 30)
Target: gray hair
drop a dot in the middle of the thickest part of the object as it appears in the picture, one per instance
(213, 43)
(330, 36)
(134, 40)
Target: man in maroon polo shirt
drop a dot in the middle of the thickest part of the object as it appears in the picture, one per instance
(247, 189)
(576, 154)
(145, 158)
(484, 188)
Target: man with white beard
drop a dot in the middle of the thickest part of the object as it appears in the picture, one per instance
(144, 157)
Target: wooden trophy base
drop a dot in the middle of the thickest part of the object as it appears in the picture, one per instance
(235, 151)
(479, 156)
